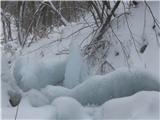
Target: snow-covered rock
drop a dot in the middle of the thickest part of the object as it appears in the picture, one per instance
(76, 69)
(33, 73)
(68, 109)
(142, 105)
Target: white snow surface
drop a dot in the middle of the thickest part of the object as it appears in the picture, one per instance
(75, 111)
(142, 105)
(76, 69)
(98, 89)
(36, 98)
(37, 73)
(52, 92)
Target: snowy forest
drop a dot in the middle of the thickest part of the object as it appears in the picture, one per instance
(80, 60)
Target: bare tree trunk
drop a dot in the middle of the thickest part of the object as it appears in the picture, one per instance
(97, 42)
(97, 10)
(20, 21)
(39, 9)
(107, 22)
(4, 30)
(9, 30)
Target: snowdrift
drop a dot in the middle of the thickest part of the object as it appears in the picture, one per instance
(68, 108)
(98, 89)
(52, 92)
(142, 105)
(119, 83)
(33, 73)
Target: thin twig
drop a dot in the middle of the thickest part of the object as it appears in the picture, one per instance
(156, 34)
(131, 34)
(50, 43)
(41, 6)
(155, 20)
(17, 112)
(144, 25)
(122, 46)
(78, 31)
(87, 37)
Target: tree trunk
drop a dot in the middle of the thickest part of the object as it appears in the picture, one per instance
(107, 22)
(20, 21)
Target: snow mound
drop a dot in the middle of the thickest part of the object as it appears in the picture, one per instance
(36, 98)
(119, 83)
(52, 92)
(33, 73)
(68, 109)
(26, 111)
(99, 89)
(76, 69)
(142, 105)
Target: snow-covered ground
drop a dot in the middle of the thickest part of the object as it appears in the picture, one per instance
(143, 105)
(53, 84)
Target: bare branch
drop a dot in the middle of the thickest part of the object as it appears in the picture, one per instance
(131, 34)
(105, 25)
(122, 46)
(65, 22)
(155, 20)
(41, 6)
(17, 112)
